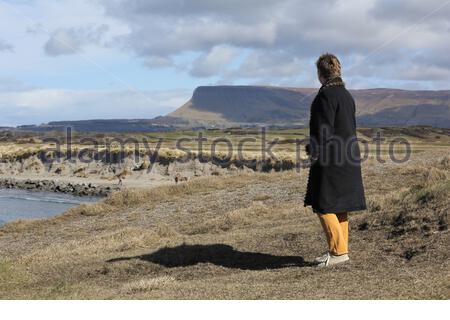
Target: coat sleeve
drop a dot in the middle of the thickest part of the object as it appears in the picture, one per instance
(321, 125)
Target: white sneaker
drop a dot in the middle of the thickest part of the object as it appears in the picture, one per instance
(322, 258)
(333, 260)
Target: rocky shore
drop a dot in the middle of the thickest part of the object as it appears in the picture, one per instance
(98, 178)
(78, 189)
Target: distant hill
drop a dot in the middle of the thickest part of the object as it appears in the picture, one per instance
(110, 125)
(227, 106)
(230, 105)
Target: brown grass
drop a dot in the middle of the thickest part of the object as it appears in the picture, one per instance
(147, 285)
(244, 236)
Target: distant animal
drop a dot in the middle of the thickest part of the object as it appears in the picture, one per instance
(122, 176)
(180, 178)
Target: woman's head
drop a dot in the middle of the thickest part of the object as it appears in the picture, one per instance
(328, 67)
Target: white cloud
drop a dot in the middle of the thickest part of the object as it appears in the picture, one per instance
(266, 36)
(263, 64)
(158, 62)
(65, 41)
(212, 63)
(13, 85)
(5, 46)
(43, 105)
(295, 32)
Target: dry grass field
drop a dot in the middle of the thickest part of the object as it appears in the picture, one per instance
(22, 144)
(245, 236)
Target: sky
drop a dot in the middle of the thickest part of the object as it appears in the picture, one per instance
(92, 59)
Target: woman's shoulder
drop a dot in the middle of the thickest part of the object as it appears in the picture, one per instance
(334, 92)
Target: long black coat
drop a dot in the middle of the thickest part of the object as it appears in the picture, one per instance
(334, 183)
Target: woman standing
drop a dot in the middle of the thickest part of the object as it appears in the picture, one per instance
(335, 184)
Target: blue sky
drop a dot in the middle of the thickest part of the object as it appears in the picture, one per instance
(84, 59)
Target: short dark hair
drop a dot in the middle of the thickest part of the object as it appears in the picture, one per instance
(328, 66)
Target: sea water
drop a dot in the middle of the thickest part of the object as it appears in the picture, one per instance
(25, 204)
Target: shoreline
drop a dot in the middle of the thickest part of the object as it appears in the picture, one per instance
(65, 187)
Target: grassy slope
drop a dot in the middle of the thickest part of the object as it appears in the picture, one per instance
(246, 236)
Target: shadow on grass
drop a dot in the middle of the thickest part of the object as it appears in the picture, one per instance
(218, 254)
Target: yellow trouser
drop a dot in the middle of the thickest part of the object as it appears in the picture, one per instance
(335, 226)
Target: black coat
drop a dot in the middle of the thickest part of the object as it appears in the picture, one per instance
(335, 182)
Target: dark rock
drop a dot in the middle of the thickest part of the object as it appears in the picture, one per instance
(59, 187)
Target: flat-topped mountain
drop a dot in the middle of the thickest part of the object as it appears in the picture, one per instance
(229, 105)
(224, 105)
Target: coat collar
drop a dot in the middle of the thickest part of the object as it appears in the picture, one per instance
(333, 82)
